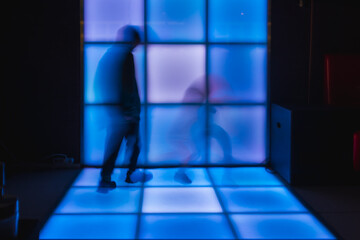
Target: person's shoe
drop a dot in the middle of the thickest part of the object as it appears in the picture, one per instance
(105, 186)
(181, 177)
(128, 177)
(138, 176)
(147, 176)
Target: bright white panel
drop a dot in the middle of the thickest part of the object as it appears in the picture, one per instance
(260, 199)
(89, 200)
(180, 200)
(279, 226)
(173, 70)
(89, 227)
(192, 226)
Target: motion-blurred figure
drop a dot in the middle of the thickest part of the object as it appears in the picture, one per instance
(117, 84)
(192, 121)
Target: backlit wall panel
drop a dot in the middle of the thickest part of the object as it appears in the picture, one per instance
(99, 120)
(237, 21)
(172, 70)
(237, 135)
(237, 73)
(103, 18)
(176, 135)
(98, 90)
(201, 73)
(176, 21)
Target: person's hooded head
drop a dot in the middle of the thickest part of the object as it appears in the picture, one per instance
(128, 34)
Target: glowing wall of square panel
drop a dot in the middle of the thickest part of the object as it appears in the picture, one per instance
(103, 18)
(237, 20)
(279, 226)
(260, 199)
(237, 73)
(89, 200)
(192, 226)
(180, 200)
(176, 135)
(176, 20)
(90, 227)
(97, 90)
(98, 122)
(173, 71)
(238, 134)
(90, 177)
(243, 176)
(161, 177)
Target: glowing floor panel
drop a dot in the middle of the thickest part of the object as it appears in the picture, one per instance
(219, 203)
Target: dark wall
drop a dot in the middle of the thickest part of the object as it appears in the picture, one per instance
(289, 46)
(40, 96)
(334, 31)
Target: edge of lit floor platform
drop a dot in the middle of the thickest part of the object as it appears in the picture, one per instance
(241, 176)
(185, 226)
(220, 203)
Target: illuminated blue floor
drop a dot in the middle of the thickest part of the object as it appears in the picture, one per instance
(220, 203)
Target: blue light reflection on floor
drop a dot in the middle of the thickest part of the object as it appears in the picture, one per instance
(198, 176)
(89, 177)
(90, 227)
(89, 200)
(263, 199)
(280, 226)
(190, 226)
(244, 176)
(220, 203)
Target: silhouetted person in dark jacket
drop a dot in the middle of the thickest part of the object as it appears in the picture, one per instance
(116, 75)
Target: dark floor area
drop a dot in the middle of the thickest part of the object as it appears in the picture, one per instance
(41, 190)
(337, 206)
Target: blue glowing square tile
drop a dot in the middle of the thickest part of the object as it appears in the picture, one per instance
(176, 20)
(260, 199)
(238, 135)
(180, 200)
(90, 177)
(103, 18)
(176, 73)
(237, 21)
(90, 227)
(237, 73)
(279, 226)
(169, 226)
(100, 90)
(177, 177)
(90, 200)
(243, 176)
(176, 135)
(99, 121)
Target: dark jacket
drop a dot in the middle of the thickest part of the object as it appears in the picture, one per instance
(115, 80)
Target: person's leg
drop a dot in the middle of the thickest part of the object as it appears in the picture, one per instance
(132, 147)
(112, 147)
